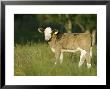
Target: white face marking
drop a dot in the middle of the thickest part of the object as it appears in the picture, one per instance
(47, 33)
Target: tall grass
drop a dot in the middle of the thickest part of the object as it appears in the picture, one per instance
(38, 60)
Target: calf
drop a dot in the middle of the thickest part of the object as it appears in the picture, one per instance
(70, 42)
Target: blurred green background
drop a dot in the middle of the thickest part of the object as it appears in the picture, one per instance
(26, 25)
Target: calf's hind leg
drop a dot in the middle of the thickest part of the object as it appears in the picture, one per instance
(82, 57)
(88, 60)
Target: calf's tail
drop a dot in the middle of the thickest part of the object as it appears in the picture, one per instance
(93, 37)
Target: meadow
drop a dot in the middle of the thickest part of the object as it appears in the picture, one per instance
(37, 59)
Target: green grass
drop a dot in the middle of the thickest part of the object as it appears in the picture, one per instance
(38, 60)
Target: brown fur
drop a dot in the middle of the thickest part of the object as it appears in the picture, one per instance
(71, 41)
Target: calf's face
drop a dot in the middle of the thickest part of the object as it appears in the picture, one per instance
(47, 33)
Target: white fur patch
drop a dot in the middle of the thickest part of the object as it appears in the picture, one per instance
(88, 65)
(55, 63)
(75, 50)
(53, 50)
(61, 57)
(64, 50)
(80, 63)
(47, 33)
(83, 53)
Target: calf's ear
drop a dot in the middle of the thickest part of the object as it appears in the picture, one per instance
(41, 30)
(56, 32)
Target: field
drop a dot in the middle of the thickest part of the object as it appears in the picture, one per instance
(33, 56)
(37, 59)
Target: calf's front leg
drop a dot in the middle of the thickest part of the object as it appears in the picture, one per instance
(61, 57)
(57, 56)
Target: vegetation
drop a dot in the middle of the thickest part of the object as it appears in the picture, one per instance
(38, 60)
(32, 55)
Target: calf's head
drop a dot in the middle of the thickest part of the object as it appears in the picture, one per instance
(48, 32)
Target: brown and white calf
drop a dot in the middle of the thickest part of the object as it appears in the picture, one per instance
(70, 42)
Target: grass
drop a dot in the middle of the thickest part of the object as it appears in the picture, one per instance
(38, 60)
